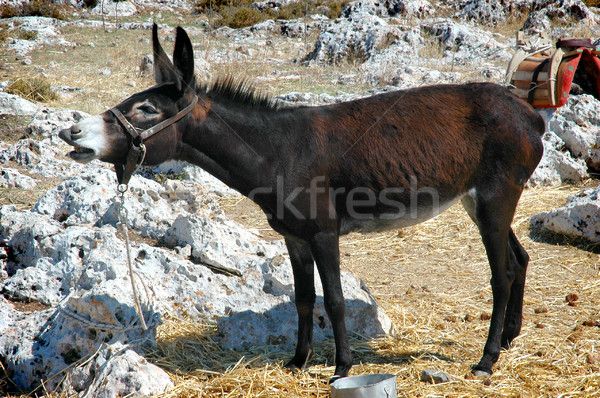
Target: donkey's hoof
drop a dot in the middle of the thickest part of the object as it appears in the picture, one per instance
(478, 373)
(334, 378)
(293, 368)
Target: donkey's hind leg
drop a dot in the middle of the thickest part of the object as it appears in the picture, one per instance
(519, 259)
(303, 267)
(514, 309)
(493, 213)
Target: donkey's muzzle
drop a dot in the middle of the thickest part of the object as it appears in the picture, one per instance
(80, 153)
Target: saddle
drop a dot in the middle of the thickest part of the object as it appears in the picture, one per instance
(544, 74)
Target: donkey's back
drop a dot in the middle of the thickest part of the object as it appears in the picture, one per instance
(406, 156)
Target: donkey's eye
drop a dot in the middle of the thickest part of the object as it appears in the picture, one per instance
(148, 109)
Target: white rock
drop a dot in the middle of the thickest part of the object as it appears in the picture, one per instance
(354, 39)
(14, 105)
(301, 26)
(91, 198)
(46, 30)
(556, 11)
(577, 123)
(112, 8)
(66, 253)
(120, 372)
(411, 8)
(579, 217)
(172, 5)
(40, 157)
(468, 44)
(360, 8)
(48, 122)
(19, 338)
(11, 178)
(557, 165)
(493, 12)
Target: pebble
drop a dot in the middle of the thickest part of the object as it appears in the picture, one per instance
(434, 376)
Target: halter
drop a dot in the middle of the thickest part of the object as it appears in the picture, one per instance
(137, 149)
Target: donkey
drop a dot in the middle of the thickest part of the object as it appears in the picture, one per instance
(387, 161)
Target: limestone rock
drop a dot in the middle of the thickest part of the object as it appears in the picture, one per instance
(11, 178)
(115, 8)
(557, 165)
(40, 157)
(579, 217)
(66, 253)
(467, 44)
(578, 125)
(11, 104)
(48, 122)
(541, 12)
(46, 33)
(353, 39)
(434, 376)
(119, 372)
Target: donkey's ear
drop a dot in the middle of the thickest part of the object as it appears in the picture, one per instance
(164, 71)
(183, 57)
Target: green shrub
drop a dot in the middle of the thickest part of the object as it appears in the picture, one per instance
(8, 11)
(24, 34)
(220, 5)
(33, 89)
(240, 17)
(36, 8)
(239, 13)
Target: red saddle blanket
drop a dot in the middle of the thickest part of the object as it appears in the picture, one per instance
(545, 78)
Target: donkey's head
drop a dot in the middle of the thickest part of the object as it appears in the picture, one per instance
(146, 122)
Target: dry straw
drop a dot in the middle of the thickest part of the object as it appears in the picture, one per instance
(432, 280)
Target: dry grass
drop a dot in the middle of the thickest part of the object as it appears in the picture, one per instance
(432, 280)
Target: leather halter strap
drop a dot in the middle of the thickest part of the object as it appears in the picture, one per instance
(137, 149)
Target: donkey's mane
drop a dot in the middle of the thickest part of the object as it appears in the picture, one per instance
(238, 90)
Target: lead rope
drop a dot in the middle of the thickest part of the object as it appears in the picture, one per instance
(122, 225)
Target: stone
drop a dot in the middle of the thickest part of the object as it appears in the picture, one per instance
(434, 376)
(114, 8)
(578, 125)
(11, 104)
(353, 40)
(117, 371)
(411, 8)
(40, 157)
(11, 178)
(557, 165)
(175, 6)
(578, 218)
(359, 8)
(541, 12)
(66, 253)
(46, 33)
(302, 26)
(147, 65)
(48, 122)
(467, 44)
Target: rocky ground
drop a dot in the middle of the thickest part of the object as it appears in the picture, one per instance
(67, 305)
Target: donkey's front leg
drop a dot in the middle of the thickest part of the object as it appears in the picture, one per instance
(303, 267)
(325, 249)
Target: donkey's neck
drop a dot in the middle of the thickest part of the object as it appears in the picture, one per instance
(234, 143)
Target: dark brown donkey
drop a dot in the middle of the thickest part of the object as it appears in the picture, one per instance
(387, 161)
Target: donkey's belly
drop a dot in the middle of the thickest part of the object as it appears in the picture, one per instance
(404, 216)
